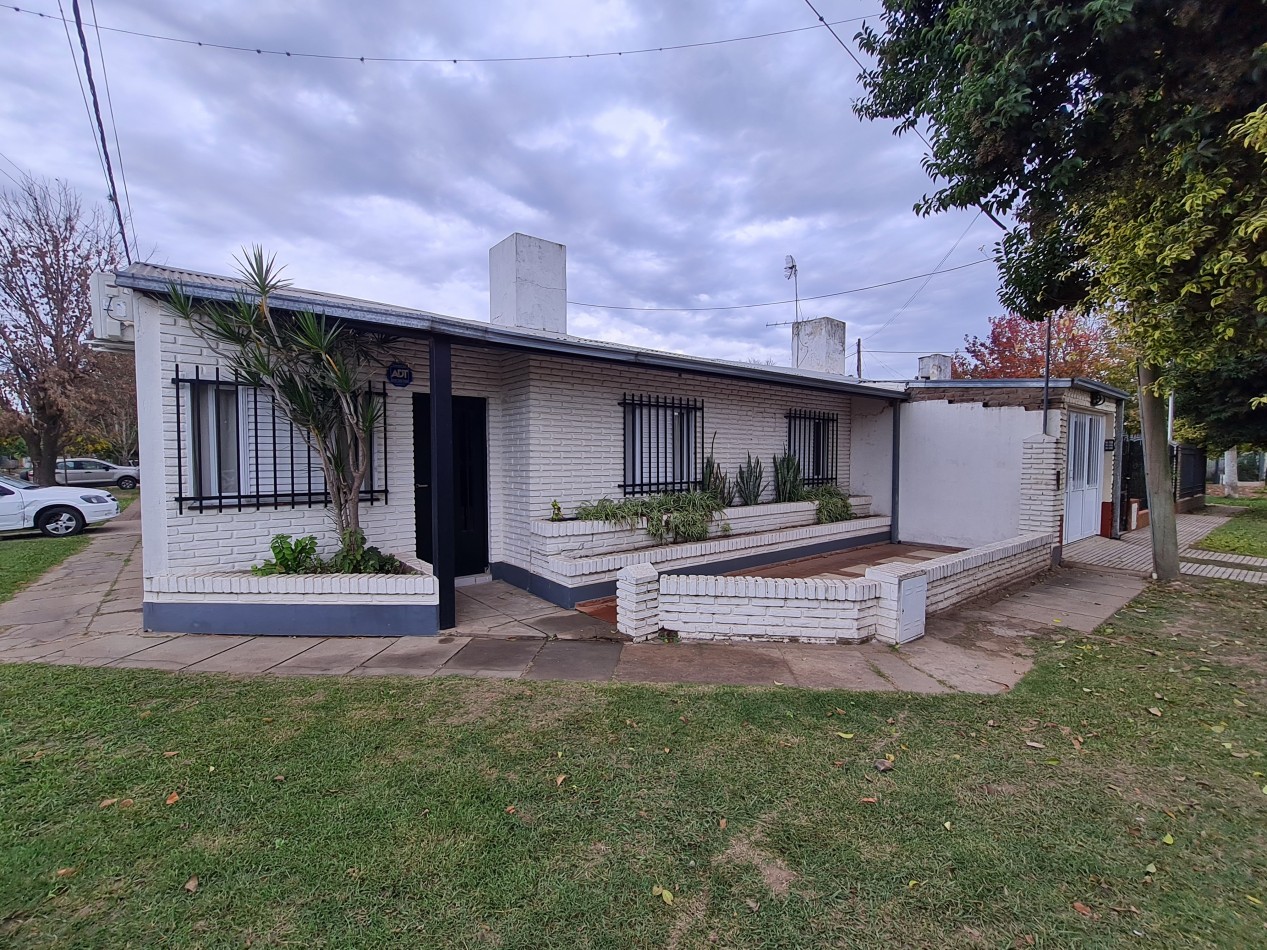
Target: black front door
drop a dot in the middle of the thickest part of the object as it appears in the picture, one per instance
(470, 481)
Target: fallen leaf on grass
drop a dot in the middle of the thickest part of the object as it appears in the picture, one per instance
(510, 809)
(752, 905)
(1237, 702)
(883, 765)
(1034, 745)
(1154, 710)
(1218, 729)
(168, 755)
(1168, 839)
(1253, 900)
(867, 801)
(845, 735)
(66, 872)
(663, 893)
(279, 778)
(126, 803)
(722, 824)
(172, 799)
(1151, 869)
(1083, 909)
(560, 780)
(192, 884)
(107, 802)
(946, 825)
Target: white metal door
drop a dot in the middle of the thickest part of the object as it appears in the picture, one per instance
(1083, 491)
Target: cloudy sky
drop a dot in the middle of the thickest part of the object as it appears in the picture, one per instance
(676, 179)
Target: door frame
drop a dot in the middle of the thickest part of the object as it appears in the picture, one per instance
(480, 495)
(1084, 455)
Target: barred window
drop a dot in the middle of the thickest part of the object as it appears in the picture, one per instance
(235, 449)
(812, 439)
(664, 444)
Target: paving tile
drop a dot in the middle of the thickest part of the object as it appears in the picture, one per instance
(111, 646)
(832, 667)
(572, 625)
(901, 674)
(578, 660)
(967, 670)
(415, 655)
(500, 655)
(255, 655)
(394, 671)
(125, 622)
(186, 649)
(335, 656)
(747, 664)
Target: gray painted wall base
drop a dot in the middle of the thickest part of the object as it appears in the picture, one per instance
(563, 596)
(294, 620)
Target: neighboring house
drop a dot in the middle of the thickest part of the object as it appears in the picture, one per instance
(488, 424)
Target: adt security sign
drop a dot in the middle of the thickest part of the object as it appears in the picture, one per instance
(398, 374)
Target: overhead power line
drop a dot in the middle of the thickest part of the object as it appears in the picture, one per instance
(296, 54)
(779, 303)
(101, 131)
(114, 126)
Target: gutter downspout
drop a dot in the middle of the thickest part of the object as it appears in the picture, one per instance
(897, 472)
(1119, 449)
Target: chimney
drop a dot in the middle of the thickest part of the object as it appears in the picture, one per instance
(934, 366)
(819, 346)
(527, 284)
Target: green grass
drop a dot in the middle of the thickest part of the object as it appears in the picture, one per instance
(23, 558)
(125, 496)
(429, 813)
(1244, 534)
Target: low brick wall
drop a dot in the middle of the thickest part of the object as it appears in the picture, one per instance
(889, 604)
(552, 539)
(958, 577)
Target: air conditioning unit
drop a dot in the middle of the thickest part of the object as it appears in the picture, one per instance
(113, 327)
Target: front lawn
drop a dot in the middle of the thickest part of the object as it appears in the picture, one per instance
(1116, 796)
(1244, 534)
(23, 558)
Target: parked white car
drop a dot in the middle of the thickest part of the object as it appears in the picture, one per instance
(57, 511)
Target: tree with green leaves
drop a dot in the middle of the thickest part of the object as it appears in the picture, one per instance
(1122, 138)
(316, 368)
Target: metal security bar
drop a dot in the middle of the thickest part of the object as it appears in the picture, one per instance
(236, 450)
(1189, 466)
(664, 444)
(812, 439)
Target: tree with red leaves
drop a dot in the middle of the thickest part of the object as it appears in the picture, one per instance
(1015, 348)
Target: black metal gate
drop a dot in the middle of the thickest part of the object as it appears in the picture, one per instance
(1187, 470)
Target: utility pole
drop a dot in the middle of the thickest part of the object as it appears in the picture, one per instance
(859, 341)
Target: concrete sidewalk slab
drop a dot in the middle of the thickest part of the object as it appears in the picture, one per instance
(582, 661)
(737, 663)
(256, 655)
(501, 656)
(333, 657)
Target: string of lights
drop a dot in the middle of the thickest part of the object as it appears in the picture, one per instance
(299, 54)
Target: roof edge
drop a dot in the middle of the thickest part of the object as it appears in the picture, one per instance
(1064, 382)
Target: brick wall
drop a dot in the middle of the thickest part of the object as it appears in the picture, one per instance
(1024, 397)
(955, 578)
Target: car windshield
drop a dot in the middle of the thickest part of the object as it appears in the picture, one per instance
(14, 483)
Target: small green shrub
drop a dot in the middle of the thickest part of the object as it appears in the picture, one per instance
(290, 556)
(750, 481)
(683, 516)
(789, 485)
(556, 511)
(833, 504)
(299, 556)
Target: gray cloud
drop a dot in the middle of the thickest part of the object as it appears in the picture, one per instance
(676, 179)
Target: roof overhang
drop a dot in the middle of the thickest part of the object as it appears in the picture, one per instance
(385, 318)
(1076, 382)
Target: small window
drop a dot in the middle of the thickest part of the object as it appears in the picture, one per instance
(812, 439)
(664, 444)
(215, 447)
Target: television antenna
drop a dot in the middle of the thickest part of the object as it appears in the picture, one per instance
(790, 273)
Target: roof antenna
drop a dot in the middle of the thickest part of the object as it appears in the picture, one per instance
(789, 273)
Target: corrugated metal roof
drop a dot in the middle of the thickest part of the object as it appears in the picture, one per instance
(156, 279)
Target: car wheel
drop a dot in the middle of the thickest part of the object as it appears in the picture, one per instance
(127, 483)
(60, 522)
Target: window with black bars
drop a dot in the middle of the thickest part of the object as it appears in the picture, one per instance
(236, 450)
(664, 444)
(812, 439)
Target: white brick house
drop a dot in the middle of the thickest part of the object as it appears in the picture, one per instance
(488, 425)
(537, 417)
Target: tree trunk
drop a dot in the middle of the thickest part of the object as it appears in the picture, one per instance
(1231, 478)
(43, 445)
(1160, 477)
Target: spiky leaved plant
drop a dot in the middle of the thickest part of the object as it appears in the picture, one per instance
(750, 481)
(788, 482)
(316, 368)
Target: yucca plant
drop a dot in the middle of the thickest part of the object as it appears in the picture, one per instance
(788, 483)
(750, 481)
(316, 368)
(715, 481)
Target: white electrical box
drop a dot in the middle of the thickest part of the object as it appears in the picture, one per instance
(113, 327)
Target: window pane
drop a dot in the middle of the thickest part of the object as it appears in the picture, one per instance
(227, 440)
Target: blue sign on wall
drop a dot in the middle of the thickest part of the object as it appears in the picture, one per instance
(398, 374)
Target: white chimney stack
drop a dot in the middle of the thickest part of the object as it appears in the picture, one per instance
(934, 366)
(819, 346)
(527, 284)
